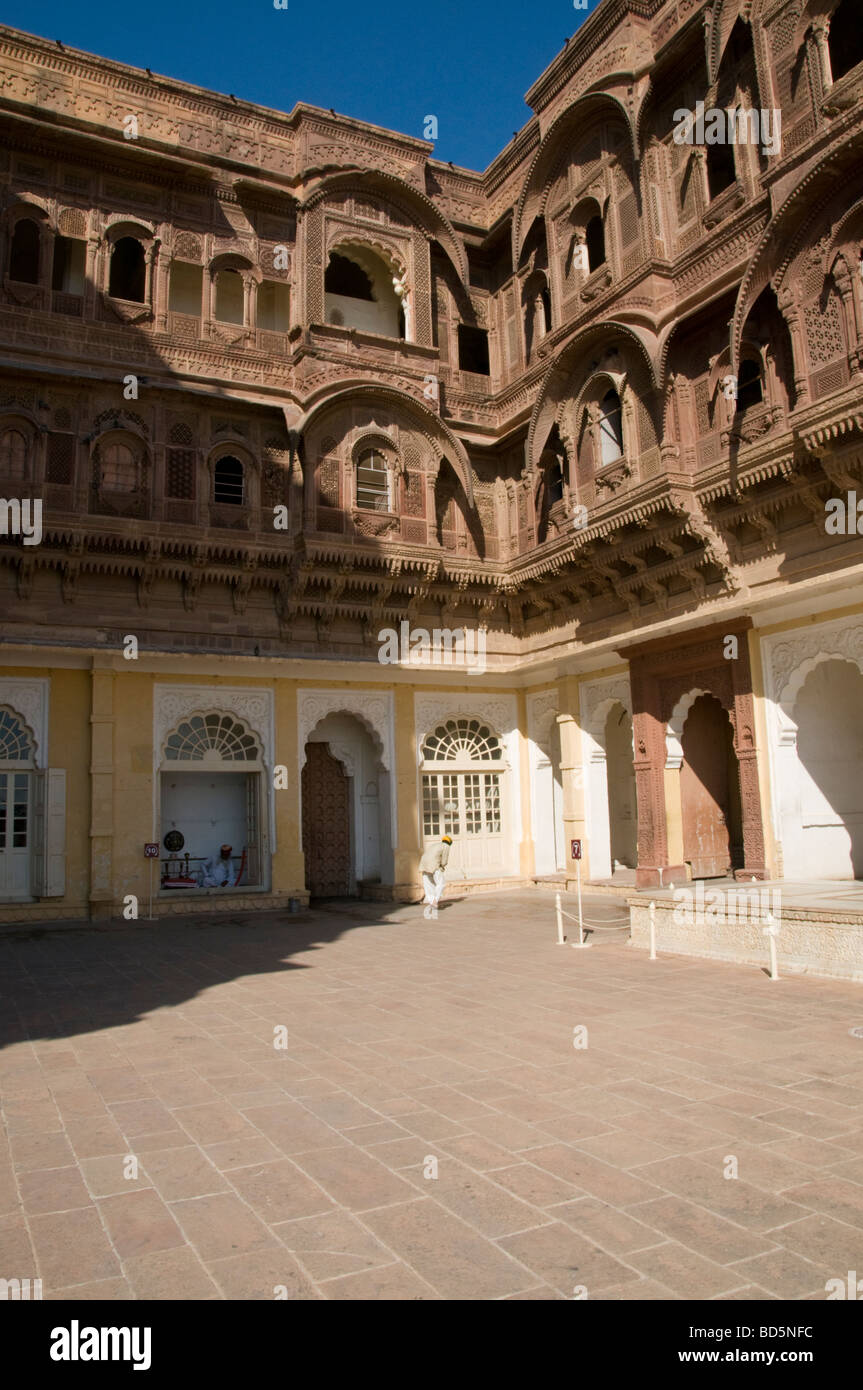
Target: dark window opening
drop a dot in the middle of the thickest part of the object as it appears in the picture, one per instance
(554, 482)
(546, 308)
(473, 350)
(228, 482)
(69, 261)
(346, 278)
(749, 387)
(845, 40)
(128, 271)
(721, 173)
(24, 255)
(594, 235)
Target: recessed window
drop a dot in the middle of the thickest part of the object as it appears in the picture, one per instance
(13, 454)
(594, 235)
(554, 482)
(184, 296)
(345, 277)
(611, 427)
(228, 482)
(67, 275)
(24, 253)
(545, 298)
(373, 483)
(273, 306)
(749, 388)
(128, 275)
(229, 297)
(845, 40)
(118, 468)
(721, 173)
(473, 349)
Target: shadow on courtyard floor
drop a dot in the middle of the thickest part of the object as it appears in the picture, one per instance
(60, 983)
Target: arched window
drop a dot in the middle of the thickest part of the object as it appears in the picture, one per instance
(721, 170)
(750, 390)
(128, 275)
(845, 39)
(462, 802)
(15, 745)
(24, 253)
(554, 482)
(229, 297)
(228, 481)
(611, 427)
(214, 737)
(118, 468)
(344, 277)
(460, 739)
(360, 292)
(594, 235)
(373, 482)
(13, 454)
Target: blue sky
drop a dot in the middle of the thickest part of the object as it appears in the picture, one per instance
(392, 62)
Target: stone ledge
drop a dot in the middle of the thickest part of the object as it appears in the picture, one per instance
(829, 945)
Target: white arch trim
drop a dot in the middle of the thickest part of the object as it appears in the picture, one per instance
(674, 730)
(373, 711)
(28, 699)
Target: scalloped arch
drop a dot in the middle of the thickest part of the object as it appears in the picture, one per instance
(544, 163)
(405, 199)
(780, 242)
(444, 443)
(798, 678)
(561, 369)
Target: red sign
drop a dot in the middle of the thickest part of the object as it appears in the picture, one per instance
(151, 851)
(576, 849)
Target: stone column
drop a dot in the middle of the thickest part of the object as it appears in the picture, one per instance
(288, 863)
(526, 855)
(406, 859)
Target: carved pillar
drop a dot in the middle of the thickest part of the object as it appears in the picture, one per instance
(162, 294)
(850, 310)
(820, 34)
(150, 262)
(790, 311)
(754, 859)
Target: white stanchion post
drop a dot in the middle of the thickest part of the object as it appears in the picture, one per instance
(771, 931)
(651, 913)
(560, 940)
(581, 943)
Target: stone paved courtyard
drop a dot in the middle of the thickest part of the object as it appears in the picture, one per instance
(558, 1167)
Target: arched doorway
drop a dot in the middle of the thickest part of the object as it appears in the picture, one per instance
(830, 755)
(346, 809)
(326, 824)
(16, 805)
(622, 806)
(463, 772)
(710, 791)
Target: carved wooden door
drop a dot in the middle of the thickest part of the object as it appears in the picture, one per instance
(705, 789)
(326, 824)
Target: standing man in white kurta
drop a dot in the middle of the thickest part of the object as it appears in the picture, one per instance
(433, 869)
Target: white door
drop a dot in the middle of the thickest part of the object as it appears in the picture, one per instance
(465, 805)
(15, 834)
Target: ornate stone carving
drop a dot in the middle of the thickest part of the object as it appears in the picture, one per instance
(29, 699)
(373, 710)
(253, 707)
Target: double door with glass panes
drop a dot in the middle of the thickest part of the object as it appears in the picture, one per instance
(15, 834)
(466, 805)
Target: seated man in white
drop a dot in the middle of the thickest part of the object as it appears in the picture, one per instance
(216, 872)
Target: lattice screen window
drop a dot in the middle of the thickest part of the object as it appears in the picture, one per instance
(463, 740)
(15, 745)
(60, 461)
(208, 734)
(180, 474)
